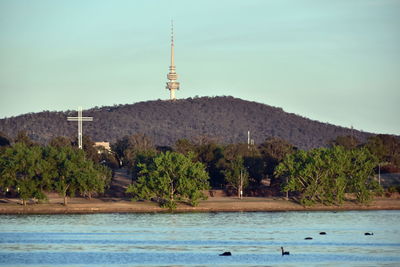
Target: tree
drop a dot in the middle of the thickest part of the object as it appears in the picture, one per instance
(325, 175)
(273, 150)
(256, 169)
(305, 175)
(60, 141)
(386, 148)
(210, 155)
(108, 158)
(359, 172)
(22, 137)
(89, 148)
(236, 175)
(251, 158)
(276, 148)
(31, 170)
(346, 141)
(94, 179)
(4, 140)
(184, 146)
(120, 146)
(170, 177)
(200, 140)
(145, 157)
(23, 170)
(72, 173)
(127, 147)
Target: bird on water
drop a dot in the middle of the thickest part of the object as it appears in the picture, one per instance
(285, 252)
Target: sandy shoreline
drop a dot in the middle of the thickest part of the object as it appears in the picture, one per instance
(116, 202)
(217, 204)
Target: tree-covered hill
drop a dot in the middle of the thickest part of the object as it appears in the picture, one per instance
(225, 119)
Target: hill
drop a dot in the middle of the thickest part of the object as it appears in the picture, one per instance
(225, 119)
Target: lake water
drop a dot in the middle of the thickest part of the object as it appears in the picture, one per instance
(196, 239)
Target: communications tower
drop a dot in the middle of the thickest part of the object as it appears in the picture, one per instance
(172, 85)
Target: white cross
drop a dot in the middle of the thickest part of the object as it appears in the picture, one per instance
(80, 119)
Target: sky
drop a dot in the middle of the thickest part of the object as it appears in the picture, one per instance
(331, 61)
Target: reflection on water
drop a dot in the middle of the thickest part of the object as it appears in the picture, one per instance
(197, 239)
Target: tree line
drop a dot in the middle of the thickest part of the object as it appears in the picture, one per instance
(182, 172)
(322, 175)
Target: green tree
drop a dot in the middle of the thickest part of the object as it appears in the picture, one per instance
(273, 150)
(129, 146)
(72, 173)
(170, 177)
(325, 175)
(386, 148)
(304, 173)
(251, 158)
(23, 170)
(359, 172)
(236, 175)
(145, 157)
(211, 154)
(94, 179)
(88, 146)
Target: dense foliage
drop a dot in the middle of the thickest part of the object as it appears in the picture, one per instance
(31, 170)
(170, 177)
(236, 175)
(226, 119)
(386, 148)
(129, 147)
(324, 175)
(25, 170)
(247, 168)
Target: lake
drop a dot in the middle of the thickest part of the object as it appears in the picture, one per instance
(196, 239)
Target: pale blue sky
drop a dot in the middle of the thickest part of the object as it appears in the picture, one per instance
(333, 61)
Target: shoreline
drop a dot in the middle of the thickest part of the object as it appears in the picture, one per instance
(220, 204)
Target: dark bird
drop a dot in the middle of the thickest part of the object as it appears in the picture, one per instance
(369, 233)
(284, 252)
(322, 233)
(226, 253)
(308, 238)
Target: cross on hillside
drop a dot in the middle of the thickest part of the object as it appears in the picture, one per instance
(80, 119)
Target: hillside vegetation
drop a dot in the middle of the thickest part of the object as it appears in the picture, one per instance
(224, 119)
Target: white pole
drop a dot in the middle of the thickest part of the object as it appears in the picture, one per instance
(248, 139)
(80, 127)
(241, 184)
(379, 174)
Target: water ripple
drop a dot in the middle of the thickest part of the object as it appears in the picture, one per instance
(197, 239)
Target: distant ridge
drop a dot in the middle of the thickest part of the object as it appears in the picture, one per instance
(226, 119)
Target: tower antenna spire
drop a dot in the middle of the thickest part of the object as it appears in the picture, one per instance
(172, 32)
(172, 85)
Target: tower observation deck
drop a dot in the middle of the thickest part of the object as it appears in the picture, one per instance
(172, 85)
